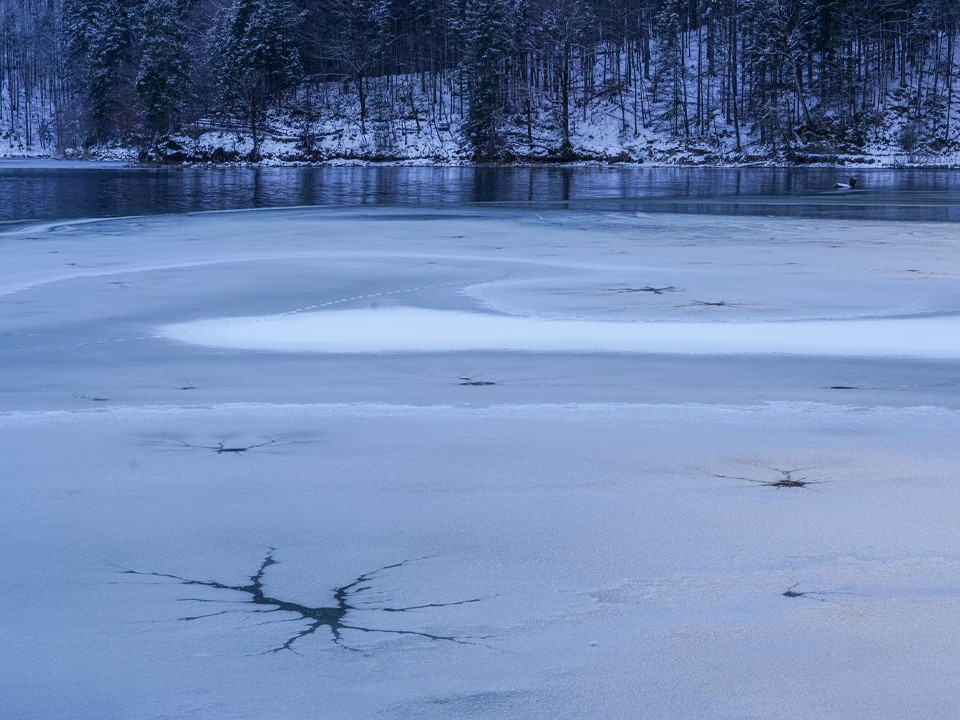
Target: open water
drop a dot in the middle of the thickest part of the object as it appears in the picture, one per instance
(53, 191)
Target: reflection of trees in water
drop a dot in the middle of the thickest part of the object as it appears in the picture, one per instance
(801, 192)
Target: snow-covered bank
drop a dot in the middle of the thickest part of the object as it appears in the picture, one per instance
(232, 149)
(204, 532)
(219, 148)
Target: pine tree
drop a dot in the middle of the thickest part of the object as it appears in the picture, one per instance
(162, 76)
(97, 38)
(672, 31)
(257, 57)
(488, 52)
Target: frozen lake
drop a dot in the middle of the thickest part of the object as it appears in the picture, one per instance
(479, 461)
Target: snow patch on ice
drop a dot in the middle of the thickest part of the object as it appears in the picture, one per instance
(406, 329)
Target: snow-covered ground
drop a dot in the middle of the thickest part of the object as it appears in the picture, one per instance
(348, 464)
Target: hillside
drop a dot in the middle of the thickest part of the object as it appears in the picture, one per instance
(659, 81)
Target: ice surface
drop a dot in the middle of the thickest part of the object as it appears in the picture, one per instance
(582, 535)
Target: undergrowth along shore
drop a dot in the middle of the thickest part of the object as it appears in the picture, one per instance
(178, 152)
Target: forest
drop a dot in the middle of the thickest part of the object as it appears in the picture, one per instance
(480, 80)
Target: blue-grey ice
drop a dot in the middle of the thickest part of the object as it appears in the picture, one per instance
(478, 463)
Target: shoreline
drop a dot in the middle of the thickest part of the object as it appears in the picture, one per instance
(130, 158)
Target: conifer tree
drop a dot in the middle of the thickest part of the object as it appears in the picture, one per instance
(98, 42)
(488, 51)
(162, 76)
(257, 57)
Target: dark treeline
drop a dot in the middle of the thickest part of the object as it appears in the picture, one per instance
(506, 77)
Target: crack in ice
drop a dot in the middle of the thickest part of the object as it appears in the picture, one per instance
(335, 618)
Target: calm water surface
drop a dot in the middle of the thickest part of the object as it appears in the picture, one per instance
(51, 191)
